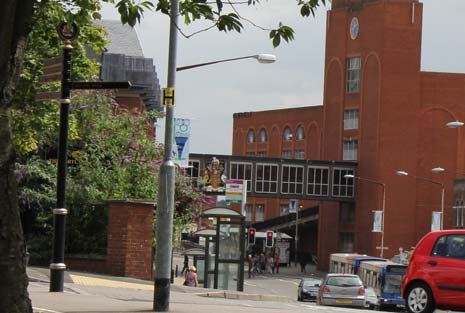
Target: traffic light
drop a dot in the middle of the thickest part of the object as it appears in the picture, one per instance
(251, 236)
(269, 238)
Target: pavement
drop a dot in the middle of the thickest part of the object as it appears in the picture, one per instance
(86, 292)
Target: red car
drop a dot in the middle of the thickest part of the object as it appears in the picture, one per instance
(435, 275)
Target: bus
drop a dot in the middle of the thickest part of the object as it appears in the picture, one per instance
(358, 260)
(342, 262)
(385, 277)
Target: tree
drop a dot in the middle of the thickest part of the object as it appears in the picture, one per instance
(15, 25)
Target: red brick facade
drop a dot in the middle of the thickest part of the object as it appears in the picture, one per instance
(402, 116)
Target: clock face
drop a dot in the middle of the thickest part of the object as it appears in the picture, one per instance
(354, 27)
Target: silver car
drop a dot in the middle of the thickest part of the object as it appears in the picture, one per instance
(342, 290)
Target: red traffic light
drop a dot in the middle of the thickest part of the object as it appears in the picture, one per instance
(252, 231)
(269, 234)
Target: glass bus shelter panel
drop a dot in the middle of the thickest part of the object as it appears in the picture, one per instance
(229, 243)
(200, 271)
(228, 274)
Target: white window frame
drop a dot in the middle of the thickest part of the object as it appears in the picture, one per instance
(286, 154)
(235, 174)
(261, 154)
(259, 212)
(248, 212)
(313, 185)
(287, 134)
(353, 74)
(250, 136)
(344, 188)
(351, 119)
(266, 181)
(300, 133)
(263, 136)
(350, 150)
(190, 168)
(295, 183)
(299, 154)
(283, 209)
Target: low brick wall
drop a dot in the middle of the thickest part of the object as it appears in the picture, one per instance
(87, 263)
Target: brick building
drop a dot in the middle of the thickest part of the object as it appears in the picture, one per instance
(384, 114)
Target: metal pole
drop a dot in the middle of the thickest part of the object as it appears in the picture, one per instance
(296, 233)
(165, 204)
(57, 267)
(442, 206)
(382, 221)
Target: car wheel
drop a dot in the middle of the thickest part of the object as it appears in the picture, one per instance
(419, 299)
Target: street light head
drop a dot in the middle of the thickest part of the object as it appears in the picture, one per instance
(402, 173)
(437, 170)
(455, 124)
(265, 58)
(349, 176)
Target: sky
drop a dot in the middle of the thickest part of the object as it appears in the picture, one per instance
(210, 95)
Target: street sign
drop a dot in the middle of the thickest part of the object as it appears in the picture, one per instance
(293, 203)
(101, 85)
(52, 71)
(48, 95)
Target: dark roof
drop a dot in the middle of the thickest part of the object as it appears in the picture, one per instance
(122, 38)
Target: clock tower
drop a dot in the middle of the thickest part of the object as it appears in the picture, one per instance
(372, 87)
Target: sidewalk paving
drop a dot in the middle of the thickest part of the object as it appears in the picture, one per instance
(86, 292)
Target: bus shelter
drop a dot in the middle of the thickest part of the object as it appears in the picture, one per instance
(208, 269)
(198, 256)
(229, 248)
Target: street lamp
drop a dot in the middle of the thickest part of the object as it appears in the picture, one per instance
(434, 170)
(261, 58)
(455, 124)
(383, 185)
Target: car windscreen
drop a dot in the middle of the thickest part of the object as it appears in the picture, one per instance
(311, 283)
(344, 281)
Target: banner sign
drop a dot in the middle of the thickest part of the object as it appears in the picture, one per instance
(235, 190)
(377, 221)
(182, 129)
(293, 205)
(436, 220)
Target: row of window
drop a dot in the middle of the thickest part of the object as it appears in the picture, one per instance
(285, 154)
(287, 135)
(268, 178)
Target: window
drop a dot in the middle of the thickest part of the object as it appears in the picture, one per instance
(346, 242)
(458, 214)
(251, 136)
(286, 154)
(347, 213)
(450, 246)
(261, 154)
(263, 136)
(287, 134)
(193, 171)
(266, 178)
(259, 213)
(250, 154)
(350, 150)
(240, 170)
(248, 213)
(300, 133)
(318, 181)
(299, 154)
(284, 209)
(351, 119)
(353, 75)
(292, 179)
(343, 187)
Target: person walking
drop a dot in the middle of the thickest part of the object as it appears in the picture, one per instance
(186, 265)
(191, 277)
(276, 263)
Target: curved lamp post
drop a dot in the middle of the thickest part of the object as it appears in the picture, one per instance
(261, 58)
(434, 170)
(383, 185)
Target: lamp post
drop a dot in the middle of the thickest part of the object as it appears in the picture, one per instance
(434, 170)
(261, 58)
(383, 185)
(165, 202)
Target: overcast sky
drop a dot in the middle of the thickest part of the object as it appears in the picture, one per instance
(210, 95)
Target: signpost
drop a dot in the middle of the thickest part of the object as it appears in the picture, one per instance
(67, 33)
(293, 208)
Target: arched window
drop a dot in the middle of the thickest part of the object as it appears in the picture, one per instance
(300, 134)
(263, 136)
(287, 134)
(251, 136)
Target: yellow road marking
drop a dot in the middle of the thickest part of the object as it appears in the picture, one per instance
(92, 281)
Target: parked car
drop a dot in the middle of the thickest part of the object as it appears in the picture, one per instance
(308, 289)
(435, 275)
(371, 299)
(342, 290)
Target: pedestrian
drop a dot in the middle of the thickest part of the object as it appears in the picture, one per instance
(262, 263)
(186, 264)
(288, 257)
(269, 264)
(191, 277)
(250, 260)
(276, 263)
